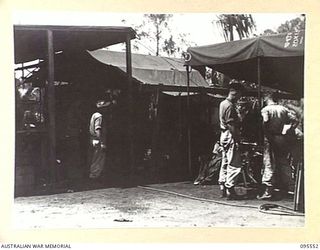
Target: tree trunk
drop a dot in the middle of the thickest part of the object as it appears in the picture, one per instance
(157, 38)
(231, 33)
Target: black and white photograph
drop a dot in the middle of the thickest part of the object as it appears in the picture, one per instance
(159, 120)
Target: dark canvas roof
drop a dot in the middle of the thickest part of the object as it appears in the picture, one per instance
(152, 70)
(87, 71)
(30, 41)
(281, 55)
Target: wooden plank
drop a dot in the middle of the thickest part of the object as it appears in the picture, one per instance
(221, 91)
(66, 28)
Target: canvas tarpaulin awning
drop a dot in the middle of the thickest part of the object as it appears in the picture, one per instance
(152, 70)
(281, 60)
(108, 67)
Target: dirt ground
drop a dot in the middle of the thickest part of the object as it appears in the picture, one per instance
(140, 207)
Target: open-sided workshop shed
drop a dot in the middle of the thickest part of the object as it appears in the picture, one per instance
(64, 56)
(32, 42)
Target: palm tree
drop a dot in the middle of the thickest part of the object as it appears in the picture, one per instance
(243, 24)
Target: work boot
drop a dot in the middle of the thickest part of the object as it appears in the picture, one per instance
(231, 194)
(197, 181)
(223, 192)
(267, 195)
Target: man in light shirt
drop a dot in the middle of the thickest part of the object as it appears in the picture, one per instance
(277, 120)
(97, 130)
(229, 140)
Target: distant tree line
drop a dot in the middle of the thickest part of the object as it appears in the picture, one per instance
(292, 25)
(154, 34)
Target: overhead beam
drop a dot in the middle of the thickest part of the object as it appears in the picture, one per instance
(211, 90)
(116, 29)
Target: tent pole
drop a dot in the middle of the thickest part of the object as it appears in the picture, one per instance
(130, 101)
(156, 137)
(260, 139)
(259, 82)
(188, 121)
(180, 131)
(51, 108)
(22, 66)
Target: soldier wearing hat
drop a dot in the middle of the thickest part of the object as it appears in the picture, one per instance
(97, 130)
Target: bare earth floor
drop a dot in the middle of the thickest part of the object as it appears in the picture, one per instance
(139, 207)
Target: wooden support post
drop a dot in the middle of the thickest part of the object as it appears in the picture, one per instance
(51, 109)
(188, 122)
(180, 132)
(299, 189)
(130, 103)
(259, 82)
(155, 137)
(22, 66)
(260, 139)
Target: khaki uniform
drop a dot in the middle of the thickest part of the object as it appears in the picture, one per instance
(276, 145)
(98, 155)
(231, 158)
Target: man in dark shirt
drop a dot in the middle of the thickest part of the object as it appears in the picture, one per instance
(229, 140)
